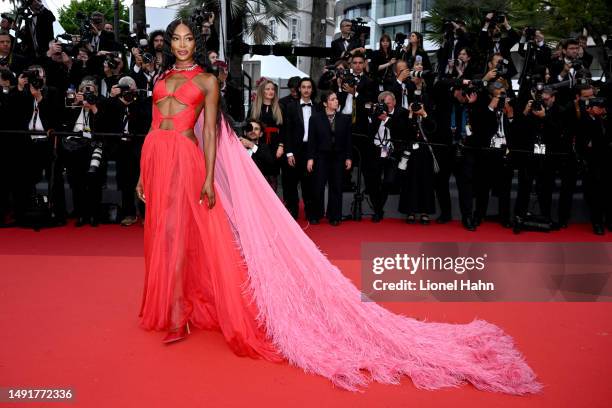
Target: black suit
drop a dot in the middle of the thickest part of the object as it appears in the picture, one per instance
(504, 46)
(339, 47)
(329, 150)
(43, 33)
(40, 150)
(378, 170)
(295, 145)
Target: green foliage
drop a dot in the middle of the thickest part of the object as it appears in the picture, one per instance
(557, 18)
(67, 14)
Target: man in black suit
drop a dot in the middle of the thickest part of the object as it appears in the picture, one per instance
(491, 40)
(37, 108)
(344, 45)
(293, 84)
(298, 116)
(329, 154)
(379, 153)
(39, 29)
(259, 152)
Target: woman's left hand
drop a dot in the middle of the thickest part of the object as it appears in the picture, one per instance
(279, 152)
(208, 192)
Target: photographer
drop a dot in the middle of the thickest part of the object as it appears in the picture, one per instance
(38, 29)
(568, 68)
(415, 49)
(346, 44)
(494, 166)
(81, 67)
(459, 129)
(420, 164)
(259, 152)
(156, 46)
(329, 154)
(113, 67)
(540, 129)
(497, 37)
(128, 112)
(57, 65)
(533, 48)
(594, 145)
(100, 39)
(382, 61)
(387, 121)
(12, 154)
(84, 154)
(499, 68)
(8, 59)
(37, 108)
(455, 39)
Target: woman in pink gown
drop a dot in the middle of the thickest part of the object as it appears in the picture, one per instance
(222, 252)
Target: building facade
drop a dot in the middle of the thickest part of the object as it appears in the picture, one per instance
(386, 16)
(298, 30)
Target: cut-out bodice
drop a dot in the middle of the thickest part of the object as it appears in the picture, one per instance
(188, 95)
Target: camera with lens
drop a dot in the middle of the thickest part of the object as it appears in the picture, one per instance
(577, 64)
(200, 16)
(89, 95)
(378, 109)
(86, 28)
(501, 68)
(501, 102)
(598, 102)
(111, 60)
(530, 33)
(537, 104)
(473, 86)
(67, 44)
(34, 78)
(348, 77)
(96, 158)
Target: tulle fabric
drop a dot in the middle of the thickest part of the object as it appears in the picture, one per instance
(314, 315)
(193, 272)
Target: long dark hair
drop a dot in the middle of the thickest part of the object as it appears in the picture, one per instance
(380, 47)
(200, 51)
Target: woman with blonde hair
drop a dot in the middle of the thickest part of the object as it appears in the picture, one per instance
(266, 109)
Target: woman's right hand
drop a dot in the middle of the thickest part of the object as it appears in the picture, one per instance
(140, 190)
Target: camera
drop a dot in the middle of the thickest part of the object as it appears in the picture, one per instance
(537, 104)
(86, 29)
(34, 78)
(403, 163)
(501, 68)
(474, 86)
(378, 109)
(578, 65)
(501, 102)
(96, 158)
(530, 33)
(89, 95)
(348, 77)
(598, 102)
(416, 106)
(200, 16)
(111, 61)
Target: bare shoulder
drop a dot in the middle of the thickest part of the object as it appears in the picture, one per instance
(206, 82)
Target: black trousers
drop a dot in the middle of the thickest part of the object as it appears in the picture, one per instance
(462, 167)
(597, 183)
(378, 175)
(494, 175)
(86, 186)
(294, 176)
(128, 170)
(39, 159)
(14, 178)
(328, 170)
(568, 174)
(541, 169)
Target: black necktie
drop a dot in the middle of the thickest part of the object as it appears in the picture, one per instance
(307, 104)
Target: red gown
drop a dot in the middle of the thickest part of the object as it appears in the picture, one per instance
(193, 272)
(247, 268)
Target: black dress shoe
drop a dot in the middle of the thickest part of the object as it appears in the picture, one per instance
(411, 219)
(468, 223)
(334, 223)
(443, 219)
(80, 222)
(94, 222)
(477, 220)
(425, 219)
(313, 221)
(598, 229)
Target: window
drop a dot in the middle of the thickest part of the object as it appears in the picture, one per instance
(426, 5)
(396, 7)
(295, 29)
(359, 11)
(272, 26)
(391, 30)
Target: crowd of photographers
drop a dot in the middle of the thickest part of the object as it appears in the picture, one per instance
(406, 123)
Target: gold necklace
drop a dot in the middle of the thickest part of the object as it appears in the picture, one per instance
(191, 68)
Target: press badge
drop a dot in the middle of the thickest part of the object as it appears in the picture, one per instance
(149, 93)
(384, 151)
(87, 133)
(539, 148)
(415, 146)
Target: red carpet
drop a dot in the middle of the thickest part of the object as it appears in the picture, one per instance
(70, 298)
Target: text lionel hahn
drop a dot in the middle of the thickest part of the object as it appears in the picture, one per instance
(464, 285)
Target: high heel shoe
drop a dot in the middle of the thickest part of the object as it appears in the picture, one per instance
(176, 335)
